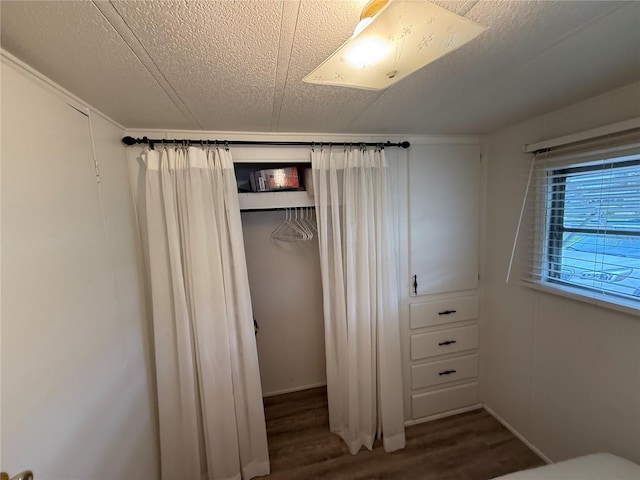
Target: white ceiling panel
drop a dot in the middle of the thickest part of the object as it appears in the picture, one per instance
(219, 56)
(321, 108)
(569, 72)
(73, 44)
(238, 64)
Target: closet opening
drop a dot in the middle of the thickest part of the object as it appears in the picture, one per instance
(283, 264)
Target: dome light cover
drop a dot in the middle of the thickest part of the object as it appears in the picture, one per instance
(400, 38)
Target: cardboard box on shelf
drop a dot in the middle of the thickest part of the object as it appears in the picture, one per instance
(274, 179)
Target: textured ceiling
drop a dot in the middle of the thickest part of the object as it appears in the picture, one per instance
(238, 65)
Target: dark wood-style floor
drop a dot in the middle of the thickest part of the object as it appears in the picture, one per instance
(469, 446)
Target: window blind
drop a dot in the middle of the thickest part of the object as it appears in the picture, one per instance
(580, 228)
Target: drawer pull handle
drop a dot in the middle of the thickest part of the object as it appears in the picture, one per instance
(447, 342)
(447, 372)
(446, 312)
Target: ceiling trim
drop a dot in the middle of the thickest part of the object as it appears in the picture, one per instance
(113, 17)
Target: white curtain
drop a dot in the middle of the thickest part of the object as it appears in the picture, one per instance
(360, 297)
(210, 402)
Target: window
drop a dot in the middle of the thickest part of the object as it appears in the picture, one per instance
(594, 228)
(586, 224)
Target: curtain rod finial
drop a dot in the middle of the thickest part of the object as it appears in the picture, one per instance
(129, 140)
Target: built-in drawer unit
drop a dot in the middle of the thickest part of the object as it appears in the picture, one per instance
(457, 309)
(434, 373)
(431, 403)
(441, 342)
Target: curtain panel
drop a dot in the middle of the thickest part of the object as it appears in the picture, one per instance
(209, 395)
(360, 297)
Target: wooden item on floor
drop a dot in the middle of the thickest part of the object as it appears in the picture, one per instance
(469, 446)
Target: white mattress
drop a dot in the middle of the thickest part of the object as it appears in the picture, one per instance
(599, 466)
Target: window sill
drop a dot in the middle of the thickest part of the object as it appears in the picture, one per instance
(620, 305)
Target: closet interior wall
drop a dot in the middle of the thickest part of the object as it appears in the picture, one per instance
(286, 292)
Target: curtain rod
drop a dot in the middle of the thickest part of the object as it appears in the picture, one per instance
(151, 141)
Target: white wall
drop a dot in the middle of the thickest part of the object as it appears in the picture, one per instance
(77, 396)
(286, 292)
(564, 374)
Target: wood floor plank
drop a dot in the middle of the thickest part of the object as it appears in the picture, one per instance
(469, 446)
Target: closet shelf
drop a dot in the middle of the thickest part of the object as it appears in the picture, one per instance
(269, 200)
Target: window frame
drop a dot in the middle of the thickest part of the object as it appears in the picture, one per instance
(551, 259)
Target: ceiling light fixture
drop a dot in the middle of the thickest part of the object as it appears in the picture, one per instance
(393, 39)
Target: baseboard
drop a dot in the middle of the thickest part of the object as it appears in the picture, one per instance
(517, 434)
(448, 413)
(293, 389)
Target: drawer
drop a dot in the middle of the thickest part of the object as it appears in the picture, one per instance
(443, 371)
(452, 340)
(424, 404)
(443, 311)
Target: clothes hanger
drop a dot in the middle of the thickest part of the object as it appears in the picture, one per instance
(288, 230)
(297, 226)
(298, 221)
(310, 220)
(276, 232)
